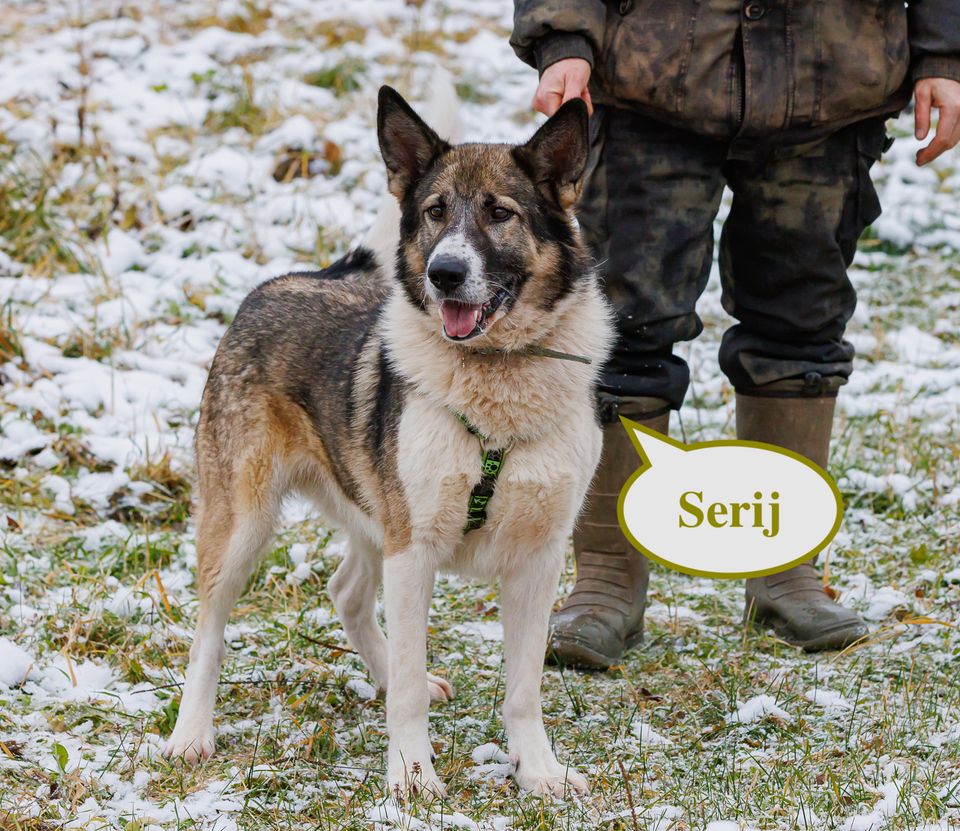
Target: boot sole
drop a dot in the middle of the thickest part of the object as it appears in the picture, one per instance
(567, 652)
(835, 639)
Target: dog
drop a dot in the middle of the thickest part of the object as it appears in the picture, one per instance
(387, 393)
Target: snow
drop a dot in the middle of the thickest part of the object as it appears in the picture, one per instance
(15, 663)
(489, 752)
(297, 133)
(362, 689)
(300, 573)
(889, 798)
(648, 736)
(485, 630)
(828, 699)
(877, 603)
(756, 709)
(298, 553)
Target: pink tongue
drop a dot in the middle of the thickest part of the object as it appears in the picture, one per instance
(459, 320)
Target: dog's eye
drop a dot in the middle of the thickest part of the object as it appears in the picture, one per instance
(435, 212)
(499, 214)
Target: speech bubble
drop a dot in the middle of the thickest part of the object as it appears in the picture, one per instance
(727, 509)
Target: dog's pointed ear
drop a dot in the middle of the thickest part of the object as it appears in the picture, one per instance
(407, 143)
(556, 156)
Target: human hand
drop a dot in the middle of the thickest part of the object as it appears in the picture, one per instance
(943, 94)
(563, 81)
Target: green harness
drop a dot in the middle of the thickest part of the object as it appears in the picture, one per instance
(491, 464)
(492, 460)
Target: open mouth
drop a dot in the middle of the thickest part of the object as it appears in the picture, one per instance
(462, 321)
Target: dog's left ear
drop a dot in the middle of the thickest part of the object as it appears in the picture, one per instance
(556, 156)
(407, 143)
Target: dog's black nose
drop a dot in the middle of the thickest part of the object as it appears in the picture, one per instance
(447, 272)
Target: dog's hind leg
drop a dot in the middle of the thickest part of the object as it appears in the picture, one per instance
(232, 531)
(527, 594)
(353, 589)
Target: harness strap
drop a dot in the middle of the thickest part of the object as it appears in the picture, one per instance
(483, 491)
(491, 463)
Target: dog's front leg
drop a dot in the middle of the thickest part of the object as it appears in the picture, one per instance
(408, 579)
(528, 591)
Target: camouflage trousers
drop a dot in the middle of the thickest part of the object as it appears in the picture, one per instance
(648, 212)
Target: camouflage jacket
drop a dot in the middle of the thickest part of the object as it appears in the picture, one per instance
(759, 72)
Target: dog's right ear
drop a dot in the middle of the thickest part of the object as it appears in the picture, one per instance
(407, 143)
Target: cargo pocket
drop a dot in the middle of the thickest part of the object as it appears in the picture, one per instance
(872, 141)
(863, 203)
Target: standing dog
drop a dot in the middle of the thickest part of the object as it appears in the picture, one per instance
(375, 397)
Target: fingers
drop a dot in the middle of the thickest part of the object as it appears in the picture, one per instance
(574, 90)
(571, 90)
(549, 95)
(922, 110)
(561, 82)
(547, 101)
(943, 95)
(947, 136)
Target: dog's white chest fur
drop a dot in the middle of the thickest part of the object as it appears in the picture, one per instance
(536, 498)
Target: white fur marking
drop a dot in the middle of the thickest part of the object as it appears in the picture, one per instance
(456, 244)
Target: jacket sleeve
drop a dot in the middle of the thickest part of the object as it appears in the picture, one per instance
(934, 39)
(547, 31)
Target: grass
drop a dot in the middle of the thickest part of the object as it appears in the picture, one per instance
(299, 722)
(340, 78)
(235, 106)
(32, 230)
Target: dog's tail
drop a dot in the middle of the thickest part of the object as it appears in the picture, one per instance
(442, 112)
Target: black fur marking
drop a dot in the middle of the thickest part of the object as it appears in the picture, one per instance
(411, 284)
(360, 259)
(381, 423)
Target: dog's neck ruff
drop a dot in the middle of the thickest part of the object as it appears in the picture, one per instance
(491, 463)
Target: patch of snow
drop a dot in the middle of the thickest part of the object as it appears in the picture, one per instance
(828, 699)
(489, 752)
(648, 736)
(298, 553)
(757, 708)
(485, 630)
(15, 664)
(301, 573)
(362, 689)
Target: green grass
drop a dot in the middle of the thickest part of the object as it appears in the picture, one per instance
(340, 78)
(33, 228)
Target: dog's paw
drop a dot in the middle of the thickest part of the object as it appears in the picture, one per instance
(416, 779)
(440, 688)
(550, 779)
(190, 745)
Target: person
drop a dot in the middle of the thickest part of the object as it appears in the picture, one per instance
(785, 103)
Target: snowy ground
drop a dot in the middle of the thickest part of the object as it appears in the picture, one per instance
(158, 160)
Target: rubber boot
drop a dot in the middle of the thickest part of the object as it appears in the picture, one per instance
(793, 603)
(603, 616)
